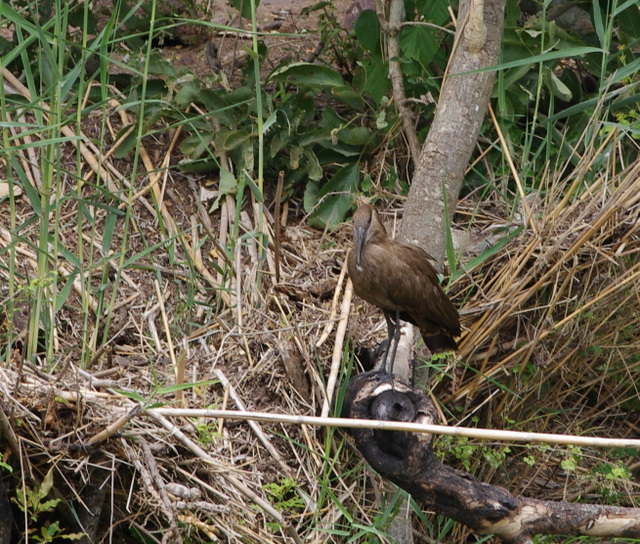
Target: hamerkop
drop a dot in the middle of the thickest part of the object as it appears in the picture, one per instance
(399, 279)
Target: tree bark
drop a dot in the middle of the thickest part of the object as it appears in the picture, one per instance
(394, 23)
(459, 114)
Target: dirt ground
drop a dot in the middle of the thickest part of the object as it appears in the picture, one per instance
(285, 30)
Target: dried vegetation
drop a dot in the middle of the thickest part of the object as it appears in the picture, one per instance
(552, 319)
(549, 299)
(550, 345)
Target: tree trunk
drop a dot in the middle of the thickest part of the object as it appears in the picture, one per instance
(459, 114)
(453, 134)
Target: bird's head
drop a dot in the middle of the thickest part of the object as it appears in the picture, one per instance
(367, 228)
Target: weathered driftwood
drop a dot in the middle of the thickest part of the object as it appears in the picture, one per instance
(407, 459)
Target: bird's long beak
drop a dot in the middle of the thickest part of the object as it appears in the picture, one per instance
(361, 237)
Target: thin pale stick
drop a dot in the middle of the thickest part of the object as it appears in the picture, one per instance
(481, 434)
(336, 360)
(334, 306)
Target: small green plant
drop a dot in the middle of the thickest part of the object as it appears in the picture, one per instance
(460, 448)
(283, 494)
(284, 497)
(207, 432)
(496, 456)
(572, 460)
(33, 502)
(613, 478)
(466, 453)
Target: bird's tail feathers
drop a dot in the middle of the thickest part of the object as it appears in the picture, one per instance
(439, 343)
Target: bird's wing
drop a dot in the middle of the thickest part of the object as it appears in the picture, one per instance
(418, 290)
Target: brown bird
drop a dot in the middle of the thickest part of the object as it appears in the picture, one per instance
(399, 279)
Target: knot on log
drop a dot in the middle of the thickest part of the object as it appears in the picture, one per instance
(475, 34)
(375, 395)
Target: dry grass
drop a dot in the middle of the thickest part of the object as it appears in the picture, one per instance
(550, 345)
(552, 341)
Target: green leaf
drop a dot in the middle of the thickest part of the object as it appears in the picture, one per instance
(278, 142)
(62, 296)
(228, 182)
(348, 96)
(549, 55)
(254, 188)
(337, 152)
(182, 386)
(195, 145)
(315, 7)
(30, 190)
(128, 144)
(73, 536)
(68, 255)
(557, 86)
(295, 154)
(231, 139)
(434, 11)
(20, 499)
(377, 78)
(107, 231)
(189, 91)
(512, 76)
(335, 198)
(48, 532)
(228, 186)
(310, 197)
(48, 506)
(246, 159)
(314, 170)
(598, 23)
(626, 71)
(367, 30)
(418, 42)
(355, 136)
(244, 7)
(158, 66)
(269, 121)
(133, 395)
(308, 74)
(231, 109)
(47, 484)
(367, 184)
(629, 3)
(314, 136)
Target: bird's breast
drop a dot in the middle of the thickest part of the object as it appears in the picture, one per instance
(372, 278)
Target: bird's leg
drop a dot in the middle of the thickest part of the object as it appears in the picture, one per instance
(391, 327)
(413, 372)
(395, 341)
